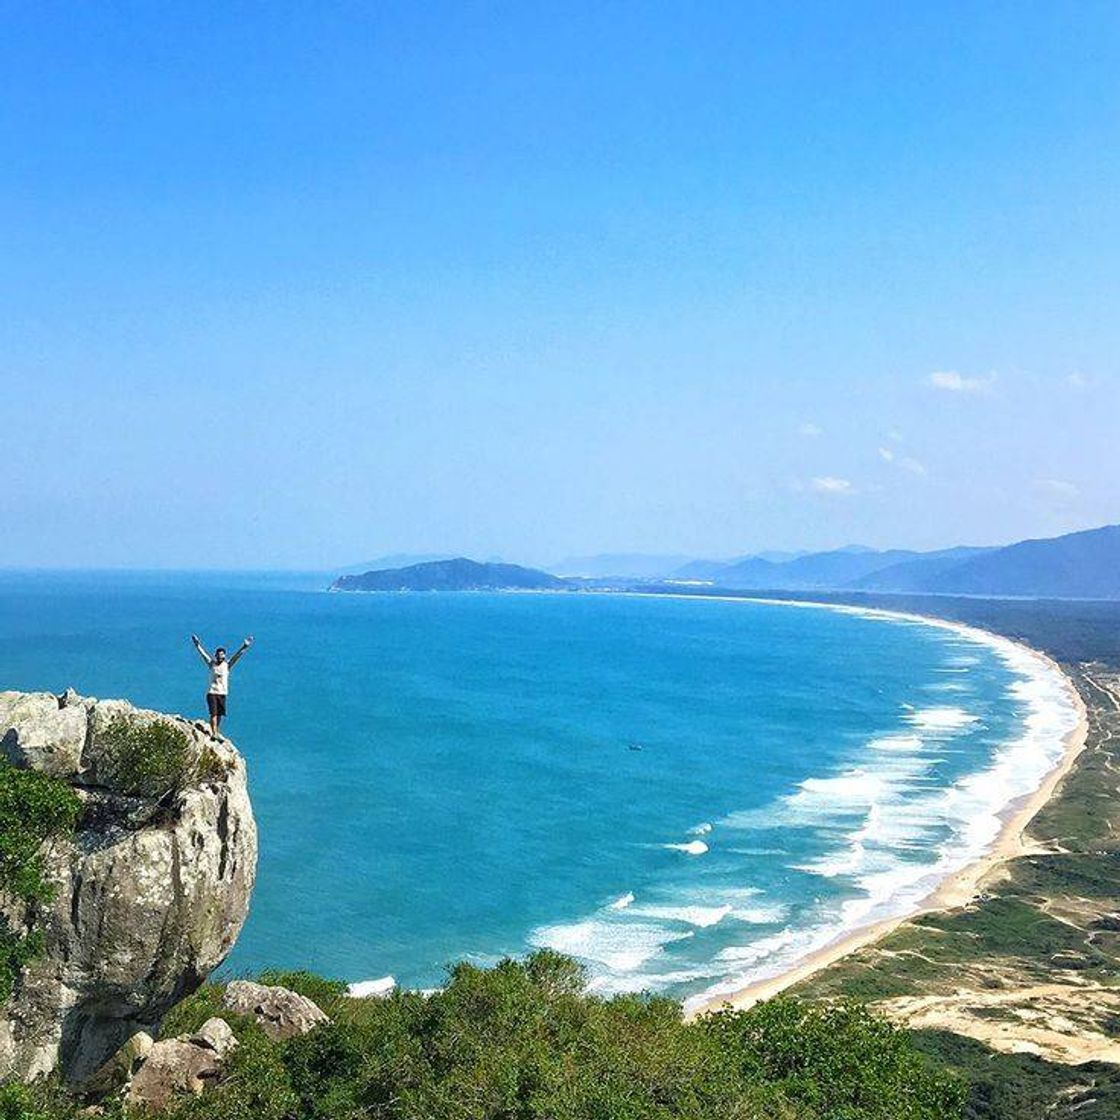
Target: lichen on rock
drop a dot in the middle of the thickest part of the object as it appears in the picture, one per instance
(147, 895)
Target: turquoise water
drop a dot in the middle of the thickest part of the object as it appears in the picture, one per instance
(683, 793)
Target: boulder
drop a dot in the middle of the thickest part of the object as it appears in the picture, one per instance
(215, 1034)
(40, 731)
(149, 894)
(175, 1067)
(280, 1012)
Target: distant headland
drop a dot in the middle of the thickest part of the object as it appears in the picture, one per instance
(452, 575)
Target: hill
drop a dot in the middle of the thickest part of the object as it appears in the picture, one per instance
(838, 568)
(452, 575)
(1084, 565)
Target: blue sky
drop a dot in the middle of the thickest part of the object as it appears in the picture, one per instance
(302, 284)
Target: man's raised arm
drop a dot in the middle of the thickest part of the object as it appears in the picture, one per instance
(244, 646)
(201, 652)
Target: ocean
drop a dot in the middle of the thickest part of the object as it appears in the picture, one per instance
(685, 794)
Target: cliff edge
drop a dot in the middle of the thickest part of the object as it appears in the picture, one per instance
(141, 895)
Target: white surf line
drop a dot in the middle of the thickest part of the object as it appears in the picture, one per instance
(956, 885)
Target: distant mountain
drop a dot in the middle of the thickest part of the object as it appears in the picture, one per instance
(1083, 565)
(452, 575)
(627, 565)
(700, 570)
(815, 572)
(710, 569)
(918, 574)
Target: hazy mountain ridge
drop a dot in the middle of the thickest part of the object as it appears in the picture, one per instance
(1082, 565)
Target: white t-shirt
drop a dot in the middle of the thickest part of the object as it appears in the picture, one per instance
(219, 678)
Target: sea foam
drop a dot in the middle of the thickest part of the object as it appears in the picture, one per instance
(620, 945)
(898, 815)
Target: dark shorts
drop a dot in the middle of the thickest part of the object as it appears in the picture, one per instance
(216, 703)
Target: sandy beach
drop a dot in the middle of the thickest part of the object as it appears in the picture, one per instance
(957, 888)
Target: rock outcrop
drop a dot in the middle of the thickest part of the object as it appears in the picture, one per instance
(180, 1066)
(149, 894)
(280, 1012)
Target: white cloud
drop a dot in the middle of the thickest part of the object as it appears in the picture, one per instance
(1058, 488)
(949, 381)
(829, 484)
(903, 462)
(1077, 380)
(810, 431)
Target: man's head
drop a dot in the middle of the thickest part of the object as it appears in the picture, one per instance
(220, 653)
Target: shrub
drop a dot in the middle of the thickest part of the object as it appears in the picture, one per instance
(841, 1061)
(148, 758)
(189, 1014)
(257, 1087)
(34, 808)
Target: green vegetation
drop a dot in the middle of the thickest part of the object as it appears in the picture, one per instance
(523, 1042)
(34, 808)
(1022, 1085)
(152, 758)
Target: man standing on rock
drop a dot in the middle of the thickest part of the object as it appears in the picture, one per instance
(218, 690)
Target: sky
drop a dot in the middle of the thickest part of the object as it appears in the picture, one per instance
(295, 285)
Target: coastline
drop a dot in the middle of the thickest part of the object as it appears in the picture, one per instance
(958, 887)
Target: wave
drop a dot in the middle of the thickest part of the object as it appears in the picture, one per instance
(941, 719)
(690, 848)
(699, 916)
(621, 946)
(622, 901)
(372, 989)
(900, 743)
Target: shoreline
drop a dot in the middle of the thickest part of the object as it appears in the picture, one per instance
(958, 887)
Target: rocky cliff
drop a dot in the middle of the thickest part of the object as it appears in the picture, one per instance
(143, 898)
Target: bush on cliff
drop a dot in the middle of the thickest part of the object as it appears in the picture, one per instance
(34, 808)
(147, 758)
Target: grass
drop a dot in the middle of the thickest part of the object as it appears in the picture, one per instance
(1022, 1086)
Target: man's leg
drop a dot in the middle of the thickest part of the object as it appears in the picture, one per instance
(212, 705)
